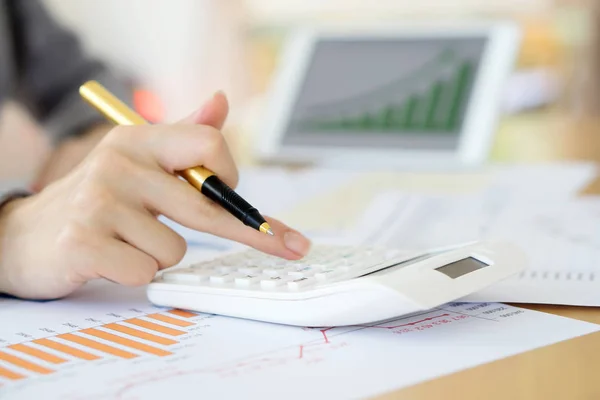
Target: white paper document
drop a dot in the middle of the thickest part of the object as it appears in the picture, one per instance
(348, 195)
(562, 242)
(108, 342)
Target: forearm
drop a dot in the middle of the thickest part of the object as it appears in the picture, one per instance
(52, 67)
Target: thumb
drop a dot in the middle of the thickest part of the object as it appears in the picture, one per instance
(213, 112)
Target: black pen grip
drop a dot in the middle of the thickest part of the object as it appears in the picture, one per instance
(216, 190)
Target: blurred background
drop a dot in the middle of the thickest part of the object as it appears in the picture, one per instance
(178, 52)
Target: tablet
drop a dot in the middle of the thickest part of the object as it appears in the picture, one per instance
(419, 95)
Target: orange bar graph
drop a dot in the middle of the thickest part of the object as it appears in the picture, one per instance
(140, 334)
(8, 374)
(155, 327)
(126, 342)
(42, 355)
(9, 358)
(170, 320)
(63, 348)
(181, 313)
(97, 345)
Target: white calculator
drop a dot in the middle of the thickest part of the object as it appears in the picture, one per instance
(334, 285)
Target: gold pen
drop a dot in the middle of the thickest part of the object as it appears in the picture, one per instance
(201, 178)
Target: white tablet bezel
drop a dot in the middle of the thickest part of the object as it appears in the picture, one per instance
(481, 115)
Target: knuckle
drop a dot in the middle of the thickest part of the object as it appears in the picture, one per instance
(234, 179)
(93, 199)
(122, 133)
(213, 141)
(215, 147)
(209, 210)
(143, 274)
(109, 161)
(103, 161)
(176, 251)
(71, 237)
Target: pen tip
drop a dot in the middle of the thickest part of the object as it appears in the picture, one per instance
(265, 228)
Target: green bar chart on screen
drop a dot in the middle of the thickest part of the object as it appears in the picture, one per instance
(430, 99)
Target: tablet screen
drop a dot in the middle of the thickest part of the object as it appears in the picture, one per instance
(409, 93)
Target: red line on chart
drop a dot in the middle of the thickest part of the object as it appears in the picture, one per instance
(301, 351)
(324, 331)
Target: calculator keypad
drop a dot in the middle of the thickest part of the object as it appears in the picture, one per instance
(253, 270)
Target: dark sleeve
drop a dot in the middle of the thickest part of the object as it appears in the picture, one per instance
(52, 66)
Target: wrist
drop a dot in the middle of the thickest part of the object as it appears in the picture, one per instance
(8, 205)
(7, 201)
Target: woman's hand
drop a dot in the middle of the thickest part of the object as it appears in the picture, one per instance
(100, 220)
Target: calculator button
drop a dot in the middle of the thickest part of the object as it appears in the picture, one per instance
(273, 271)
(246, 280)
(305, 272)
(269, 263)
(251, 253)
(299, 283)
(250, 270)
(320, 266)
(184, 275)
(345, 268)
(348, 261)
(272, 282)
(208, 264)
(223, 278)
(328, 274)
(248, 263)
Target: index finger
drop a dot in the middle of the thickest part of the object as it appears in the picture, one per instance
(175, 148)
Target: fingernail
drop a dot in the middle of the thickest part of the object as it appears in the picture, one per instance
(296, 243)
(202, 109)
(200, 112)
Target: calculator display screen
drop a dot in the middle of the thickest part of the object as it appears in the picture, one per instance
(461, 267)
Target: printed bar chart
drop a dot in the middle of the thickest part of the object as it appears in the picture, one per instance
(66, 349)
(42, 355)
(24, 364)
(140, 334)
(170, 320)
(126, 342)
(8, 374)
(96, 345)
(156, 327)
(182, 313)
(119, 340)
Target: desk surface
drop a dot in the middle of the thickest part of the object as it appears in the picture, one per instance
(567, 370)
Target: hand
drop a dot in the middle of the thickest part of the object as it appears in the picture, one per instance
(100, 220)
(68, 155)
